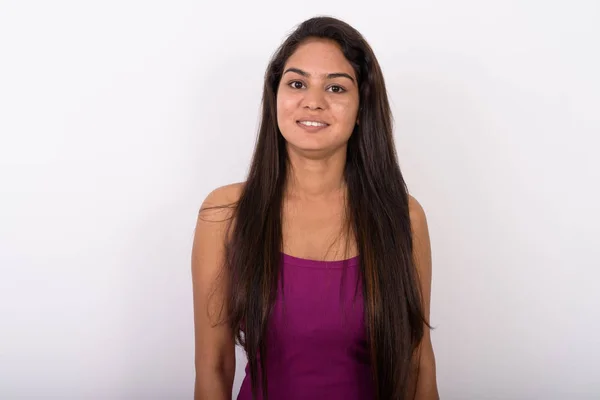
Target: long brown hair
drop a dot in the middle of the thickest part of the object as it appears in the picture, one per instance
(377, 214)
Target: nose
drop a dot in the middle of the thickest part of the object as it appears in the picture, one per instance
(314, 99)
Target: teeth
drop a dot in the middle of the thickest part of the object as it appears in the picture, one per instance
(312, 123)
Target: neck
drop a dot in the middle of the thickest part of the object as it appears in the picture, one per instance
(316, 178)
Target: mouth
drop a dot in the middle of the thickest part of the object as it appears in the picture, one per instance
(311, 125)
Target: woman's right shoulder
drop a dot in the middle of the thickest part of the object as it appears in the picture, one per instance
(220, 201)
(224, 195)
(214, 219)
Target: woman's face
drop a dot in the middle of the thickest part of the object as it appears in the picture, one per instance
(317, 98)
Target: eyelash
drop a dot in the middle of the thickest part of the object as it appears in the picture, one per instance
(342, 90)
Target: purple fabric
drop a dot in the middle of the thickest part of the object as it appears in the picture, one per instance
(317, 338)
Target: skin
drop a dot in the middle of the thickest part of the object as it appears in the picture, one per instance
(318, 84)
(312, 210)
(426, 387)
(214, 343)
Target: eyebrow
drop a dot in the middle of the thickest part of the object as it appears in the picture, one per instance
(328, 76)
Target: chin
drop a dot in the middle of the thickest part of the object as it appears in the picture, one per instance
(311, 146)
(307, 141)
(306, 146)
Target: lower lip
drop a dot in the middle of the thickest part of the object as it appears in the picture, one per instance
(311, 128)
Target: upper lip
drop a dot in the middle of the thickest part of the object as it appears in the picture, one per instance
(312, 120)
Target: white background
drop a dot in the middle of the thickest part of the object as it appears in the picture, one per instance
(118, 117)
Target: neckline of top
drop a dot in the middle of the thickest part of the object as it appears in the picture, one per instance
(305, 262)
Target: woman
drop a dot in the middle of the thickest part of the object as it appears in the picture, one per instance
(318, 264)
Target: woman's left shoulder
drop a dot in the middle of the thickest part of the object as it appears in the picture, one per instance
(421, 242)
(416, 211)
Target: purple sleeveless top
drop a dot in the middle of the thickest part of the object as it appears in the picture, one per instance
(317, 337)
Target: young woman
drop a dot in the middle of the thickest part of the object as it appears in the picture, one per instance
(319, 264)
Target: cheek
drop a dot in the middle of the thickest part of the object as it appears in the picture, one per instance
(285, 108)
(345, 113)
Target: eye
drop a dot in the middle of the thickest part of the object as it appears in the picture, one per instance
(337, 89)
(296, 85)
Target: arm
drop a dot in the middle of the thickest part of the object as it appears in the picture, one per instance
(214, 341)
(426, 386)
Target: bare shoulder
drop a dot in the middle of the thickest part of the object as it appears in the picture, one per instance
(212, 226)
(417, 214)
(224, 195)
(421, 240)
(215, 217)
(219, 201)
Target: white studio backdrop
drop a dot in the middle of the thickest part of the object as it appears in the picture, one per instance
(117, 118)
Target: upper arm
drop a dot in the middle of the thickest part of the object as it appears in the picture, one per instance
(214, 341)
(426, 386)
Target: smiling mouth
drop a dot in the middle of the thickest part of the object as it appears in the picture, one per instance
(312, 124)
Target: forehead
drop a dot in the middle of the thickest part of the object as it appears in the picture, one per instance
(319, 56)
